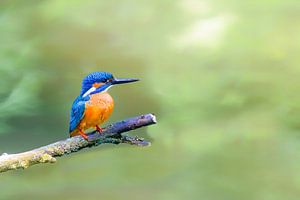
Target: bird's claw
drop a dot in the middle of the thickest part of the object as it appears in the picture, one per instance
(99, 129)
(84, 135)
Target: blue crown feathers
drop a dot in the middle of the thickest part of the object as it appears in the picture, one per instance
(95, 77)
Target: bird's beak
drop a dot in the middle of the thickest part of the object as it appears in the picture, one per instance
(123, 80)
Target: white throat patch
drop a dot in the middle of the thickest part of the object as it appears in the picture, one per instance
(107, 88)
(93, 89)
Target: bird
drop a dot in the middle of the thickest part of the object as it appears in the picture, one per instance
(94, 105)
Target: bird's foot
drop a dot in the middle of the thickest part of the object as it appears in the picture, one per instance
(99, 129)
(84, 135)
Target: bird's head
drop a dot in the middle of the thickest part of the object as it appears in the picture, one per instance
(97, 82)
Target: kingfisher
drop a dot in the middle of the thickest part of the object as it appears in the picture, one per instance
(94, 105)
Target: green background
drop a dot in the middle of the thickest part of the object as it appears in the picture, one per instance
(221, 76)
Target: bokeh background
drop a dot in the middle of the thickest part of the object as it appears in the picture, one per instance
(221, 76)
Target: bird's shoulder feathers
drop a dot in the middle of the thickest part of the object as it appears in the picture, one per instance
(77, 112)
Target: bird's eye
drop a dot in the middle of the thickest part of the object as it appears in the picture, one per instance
(109, 80)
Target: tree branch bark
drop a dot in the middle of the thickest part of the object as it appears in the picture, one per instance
(46, 154)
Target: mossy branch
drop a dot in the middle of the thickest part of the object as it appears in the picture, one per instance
(46, 154)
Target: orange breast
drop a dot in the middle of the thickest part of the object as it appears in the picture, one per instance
(97, 110)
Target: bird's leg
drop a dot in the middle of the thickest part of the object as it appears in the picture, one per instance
(99, 129)
(82, 133)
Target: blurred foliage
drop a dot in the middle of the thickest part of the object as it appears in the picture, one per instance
(222, 77)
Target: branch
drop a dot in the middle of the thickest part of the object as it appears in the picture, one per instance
(46, 154)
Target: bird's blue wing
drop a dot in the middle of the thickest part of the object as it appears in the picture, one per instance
(77, 113)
